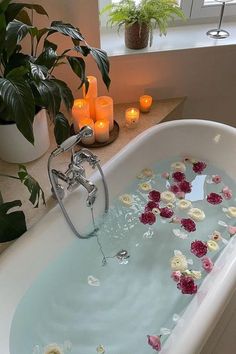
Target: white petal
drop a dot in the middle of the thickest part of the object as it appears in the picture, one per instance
(222, 223)
(176, 317)
(190, 261)
(93, 281)
(177, 253)
(165, 331)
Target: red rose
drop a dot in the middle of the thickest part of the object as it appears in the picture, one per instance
(188, 224)
(199, 248)
(185, 187)
(166, 213)
(147, 218)
(178, 176)
(155, 196)
(214, 198)
(187, 285)
(199, 166)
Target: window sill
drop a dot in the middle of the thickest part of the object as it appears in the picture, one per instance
(178, 38)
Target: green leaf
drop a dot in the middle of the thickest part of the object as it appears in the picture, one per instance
(48, 96)
(13, 224)
(36, 192)
(17, 73)
(66, 29)
(24, 17)
(61, 128)
(4, 5)
(16, 60)
(65, 93)
(78, 66)
(41, 33)
(15, 8)
(17, 97)
(84, 50)
(38, 72)
(102, 61)
(2, 31)
(47, 58)
(15, 32)
(48, 44)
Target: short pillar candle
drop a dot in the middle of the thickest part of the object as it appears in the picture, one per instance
(104, 110)
(91, 95)
(80, 110)
(131, 117)
(102, 131)
(145, 103)
(89, 122)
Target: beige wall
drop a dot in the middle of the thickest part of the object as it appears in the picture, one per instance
(206, 76)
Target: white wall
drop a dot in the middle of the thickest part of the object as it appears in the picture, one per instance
(207, 76)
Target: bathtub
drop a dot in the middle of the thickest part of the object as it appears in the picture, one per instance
(29, 255)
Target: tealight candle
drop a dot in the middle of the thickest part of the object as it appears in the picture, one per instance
(104, 110)
(80, 110)
(89, 122)
(131, 117)
(102, 131)
(145, 103)
(91, 95)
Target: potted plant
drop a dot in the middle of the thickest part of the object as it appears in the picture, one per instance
(13, 223)
(27, 81)
(141, 18)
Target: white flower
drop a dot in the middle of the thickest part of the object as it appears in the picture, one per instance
(231, 211)
(178, 166)
(212, 245)
(147, 172)
(184, 204)
(53, 349)
(100, 349)
(170, 205)
(216, 236)
(145, 186)
(126, 199)
(195, 274)
(196, 214)
(155, 211)
(179, 262)
(167, 197)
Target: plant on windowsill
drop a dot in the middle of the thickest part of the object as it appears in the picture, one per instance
(13, 223)
(27, 80)
(141, 19)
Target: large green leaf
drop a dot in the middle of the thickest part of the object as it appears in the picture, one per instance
(48, 96)
(48, 44)
(65, 93)
(2, 31)
(47, 58)
(36, 192)
(38, 72)
(16, 60)
(13, 224)
(17, 97)
(67, 29)
(83, 49)
(61, 128)
(15, 8)
(102, 61)
(78, 66)
(4, 5)
(23, 16)
(15, 32)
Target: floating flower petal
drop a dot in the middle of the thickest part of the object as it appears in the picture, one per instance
(147, 218)
(53, 348)
(199, 167)
(151, 205)
(196, 214)
(212, 245)
(214, 198)
(154, 342)
(231, 230)
(187, 285)
(216, 179)
(216, 236)
(100, 349)
(178, 166)
(145, 186)
(147, 172)
(185, 187)
(166, 213)
(178, 176)
(207, 264)
(184, 204)
(188, 225)
(176, 276)
(231, 211)
(154, 196)
(227, 193)
(167, 197)
(126, 199)
(179, 263)
(199, 248)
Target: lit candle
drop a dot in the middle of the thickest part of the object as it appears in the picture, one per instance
(89, 122)
(91, 95)
(131, 117)
(80, 110)
(101, 131)
(145, 103)
(104, 110)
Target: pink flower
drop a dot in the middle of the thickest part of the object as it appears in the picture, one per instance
(178, 176)
(227, 193)
(231, 230)
(155, 196)
(216, 179)
(165, 175)
(199, 248)
(174, 188)
(166, 212)
(199, 166)
(187, 285)
(180, 195)
(185, 187)
(151, 205)
(207, 264)
(188, 224)
(214, 198)
(154, 342)
(147, 218)
(176, 276)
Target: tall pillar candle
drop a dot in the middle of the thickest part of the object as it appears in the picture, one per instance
(102, 131)
(80, 110)
(104, 110)
(89, 122)
(91, 95)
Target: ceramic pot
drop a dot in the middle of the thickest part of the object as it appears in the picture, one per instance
(16, 149)
(136, 35)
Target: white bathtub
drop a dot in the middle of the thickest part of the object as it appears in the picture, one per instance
(23, 261)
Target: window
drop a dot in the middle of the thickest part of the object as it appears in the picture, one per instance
(193, 9)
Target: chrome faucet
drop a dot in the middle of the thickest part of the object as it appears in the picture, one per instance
(75, 175)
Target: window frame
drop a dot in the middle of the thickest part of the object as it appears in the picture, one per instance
(199, 10)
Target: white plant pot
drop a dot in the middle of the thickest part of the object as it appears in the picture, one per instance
(16, 149)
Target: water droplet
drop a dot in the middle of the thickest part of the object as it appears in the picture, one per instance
(93, 281)
(176, 317)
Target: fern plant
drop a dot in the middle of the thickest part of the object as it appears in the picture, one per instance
(153, 13)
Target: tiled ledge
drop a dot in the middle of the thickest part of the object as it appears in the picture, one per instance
(162, 110)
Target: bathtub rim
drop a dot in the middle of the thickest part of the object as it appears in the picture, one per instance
(8, 258)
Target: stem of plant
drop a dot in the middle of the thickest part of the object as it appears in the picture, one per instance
(9, 176)
(32, 37)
